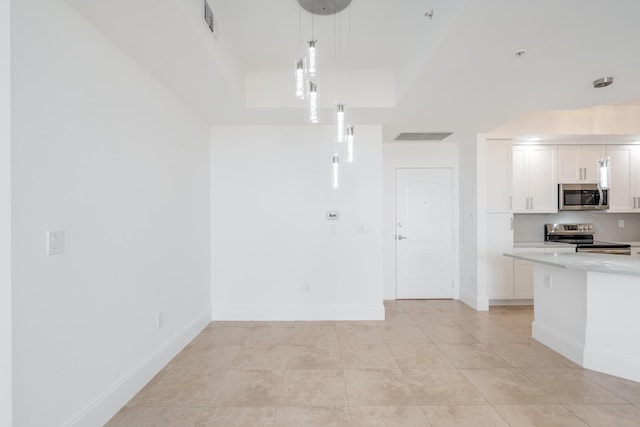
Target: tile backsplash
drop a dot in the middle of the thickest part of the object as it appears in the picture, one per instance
(530, 227)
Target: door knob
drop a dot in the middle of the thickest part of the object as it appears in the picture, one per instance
(401, 237)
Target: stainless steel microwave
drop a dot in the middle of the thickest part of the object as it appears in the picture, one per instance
(582, 197)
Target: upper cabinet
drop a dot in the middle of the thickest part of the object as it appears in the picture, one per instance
(624, 192)
(578, 164)
(535, 188)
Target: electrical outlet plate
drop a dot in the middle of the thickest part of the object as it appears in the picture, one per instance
(55, 242)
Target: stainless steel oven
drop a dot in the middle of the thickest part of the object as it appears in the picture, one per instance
(582, 197)
(581, 235)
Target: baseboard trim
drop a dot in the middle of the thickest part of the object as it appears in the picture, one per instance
(553, 339)
(507, 302)
(298, 312)
(107, 404)
(478, 304)
(612, 363)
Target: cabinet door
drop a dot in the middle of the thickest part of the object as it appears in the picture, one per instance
(499, 176)
(635, 178)
(520, 185)
(590, 154)
(499, 267)
(569, 165)
(543, 187)
(621, 192)
(522, 279)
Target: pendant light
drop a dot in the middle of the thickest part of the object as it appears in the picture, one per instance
(335, 171)
(313, 102)
(340, 123)
(604, 171)
(311, 58)
(350, 143)
(300, 79)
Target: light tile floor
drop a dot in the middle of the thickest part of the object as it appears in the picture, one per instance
(430, 363)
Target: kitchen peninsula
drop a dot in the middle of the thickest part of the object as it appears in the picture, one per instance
(586, 308)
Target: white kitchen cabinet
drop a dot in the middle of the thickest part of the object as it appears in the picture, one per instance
(499, 175)
(624, 192)
(579, 163)
(499, 269)
(535, 184)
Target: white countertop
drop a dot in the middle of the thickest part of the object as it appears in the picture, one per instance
(602, 263)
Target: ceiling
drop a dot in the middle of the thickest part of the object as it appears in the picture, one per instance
(456, 72)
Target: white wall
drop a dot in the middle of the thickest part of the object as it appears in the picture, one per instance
(5, 214)
(103, 152)
(275, 256)
(411, 154)
(470, 292)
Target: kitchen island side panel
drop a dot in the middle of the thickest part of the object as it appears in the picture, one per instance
(612, 336)
(560, 310)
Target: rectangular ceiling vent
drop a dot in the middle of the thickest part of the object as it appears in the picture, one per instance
(208, 17)
(422, 136)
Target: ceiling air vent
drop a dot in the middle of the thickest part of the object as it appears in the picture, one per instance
(208, 17)
(422, 136)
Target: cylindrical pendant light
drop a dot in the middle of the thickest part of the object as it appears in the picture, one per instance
(300, 79)
(350, 144)
(604, 173)
(335, 166)
(313, 102)
(340, 123)
(311, 57)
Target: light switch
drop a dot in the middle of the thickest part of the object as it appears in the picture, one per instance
(55, 242)
(621, 223)
(333, 215)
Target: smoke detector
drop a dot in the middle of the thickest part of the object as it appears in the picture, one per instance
(603, 82)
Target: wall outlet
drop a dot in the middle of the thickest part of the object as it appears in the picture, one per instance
(55, 242)
(548, 281)
(160, 320)
(621, 223)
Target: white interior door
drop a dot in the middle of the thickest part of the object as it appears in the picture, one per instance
(424, 233)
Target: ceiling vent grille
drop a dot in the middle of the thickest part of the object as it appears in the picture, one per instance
(422, 136)
(208, 17)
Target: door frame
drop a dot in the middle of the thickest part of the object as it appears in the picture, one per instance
(455, 244)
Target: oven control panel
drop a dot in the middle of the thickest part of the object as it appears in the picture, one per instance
(573, 229)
